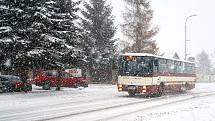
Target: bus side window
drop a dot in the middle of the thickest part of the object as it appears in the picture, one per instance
(162, 65)
(156, 62)
(183, 67)
(155, 68)
(177, 67)
(180, 68)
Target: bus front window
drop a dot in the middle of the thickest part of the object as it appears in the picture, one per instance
(138, 67)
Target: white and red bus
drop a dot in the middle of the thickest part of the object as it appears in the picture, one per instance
(141, 73)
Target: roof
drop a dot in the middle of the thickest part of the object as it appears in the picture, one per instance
(170, 55)
(151, 55)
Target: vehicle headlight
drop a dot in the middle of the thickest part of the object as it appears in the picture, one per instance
(120, 86)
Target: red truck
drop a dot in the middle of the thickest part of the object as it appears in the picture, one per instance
(50, 78)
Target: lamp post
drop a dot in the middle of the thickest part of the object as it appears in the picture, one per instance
(185, 52)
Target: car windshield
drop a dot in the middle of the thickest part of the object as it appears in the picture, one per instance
(10, 78)
(50, 73)
(55, 73)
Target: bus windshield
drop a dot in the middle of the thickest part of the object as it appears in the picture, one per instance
(135, 66)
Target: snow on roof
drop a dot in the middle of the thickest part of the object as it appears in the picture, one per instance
(137, 54)
(170, 55)
(151, 55)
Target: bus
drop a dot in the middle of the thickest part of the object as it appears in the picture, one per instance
(142, 73)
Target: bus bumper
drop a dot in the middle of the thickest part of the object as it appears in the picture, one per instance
(132, 88)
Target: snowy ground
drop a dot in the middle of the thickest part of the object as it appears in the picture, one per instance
(199, 108)
(103, 102)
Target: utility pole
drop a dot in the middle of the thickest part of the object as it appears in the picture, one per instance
(185, 47)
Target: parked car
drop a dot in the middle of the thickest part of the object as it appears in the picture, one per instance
(12, 83)
(51, 78)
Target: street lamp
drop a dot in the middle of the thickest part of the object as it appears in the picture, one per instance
(185, 53)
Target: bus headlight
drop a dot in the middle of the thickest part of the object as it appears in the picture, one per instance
(119, 86)
(144, 89)
(120, 89)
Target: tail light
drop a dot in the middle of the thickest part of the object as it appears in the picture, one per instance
(18, 84)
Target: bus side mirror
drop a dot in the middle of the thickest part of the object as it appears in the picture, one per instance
(156, 62)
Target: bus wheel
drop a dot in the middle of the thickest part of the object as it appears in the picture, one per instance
(131, 94)
(187, 86)
(160, 90)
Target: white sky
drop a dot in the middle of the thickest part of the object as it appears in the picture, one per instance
(170, 16)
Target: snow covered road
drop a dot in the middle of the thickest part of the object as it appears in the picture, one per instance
(101, 102)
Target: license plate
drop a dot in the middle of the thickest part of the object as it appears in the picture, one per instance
(131, 87)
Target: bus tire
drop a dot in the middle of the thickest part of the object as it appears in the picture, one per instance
(187, 86)
(160, 91)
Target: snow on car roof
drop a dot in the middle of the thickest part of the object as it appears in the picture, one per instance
(151, 55)
(10, 77)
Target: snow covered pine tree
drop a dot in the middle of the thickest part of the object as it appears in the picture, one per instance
(98, 23)
(38, 33)
(137, 27)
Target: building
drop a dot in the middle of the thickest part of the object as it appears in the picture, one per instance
(171, 55)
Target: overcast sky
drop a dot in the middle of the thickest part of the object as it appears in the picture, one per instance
(170, 16)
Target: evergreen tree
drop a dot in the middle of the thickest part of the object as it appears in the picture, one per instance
(15, 27)
(99, 26)
(38, 33)
(137, 27)
(64, 26)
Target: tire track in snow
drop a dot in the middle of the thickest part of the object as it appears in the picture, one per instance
(117, 107)
(36, 112)
(193, 96)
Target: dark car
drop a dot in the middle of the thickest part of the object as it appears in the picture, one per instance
(50, 78)
(12, 83)
(1, 87)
